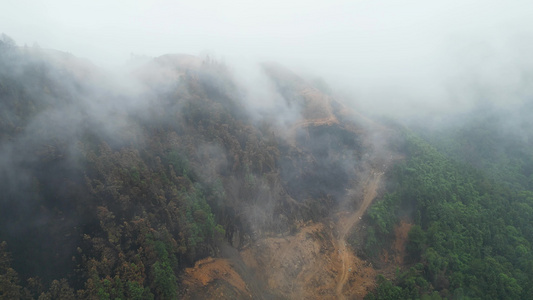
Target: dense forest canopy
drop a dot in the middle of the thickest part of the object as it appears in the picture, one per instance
(114, 185)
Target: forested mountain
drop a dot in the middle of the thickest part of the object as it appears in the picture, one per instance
(175, 180)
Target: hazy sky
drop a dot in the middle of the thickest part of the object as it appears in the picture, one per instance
(397, 49)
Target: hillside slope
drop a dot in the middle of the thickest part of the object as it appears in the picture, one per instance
(172, 180)
(114, 185)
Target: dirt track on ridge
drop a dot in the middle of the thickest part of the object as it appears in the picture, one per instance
(346, 224)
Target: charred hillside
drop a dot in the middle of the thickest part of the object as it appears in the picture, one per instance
(112, 186)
